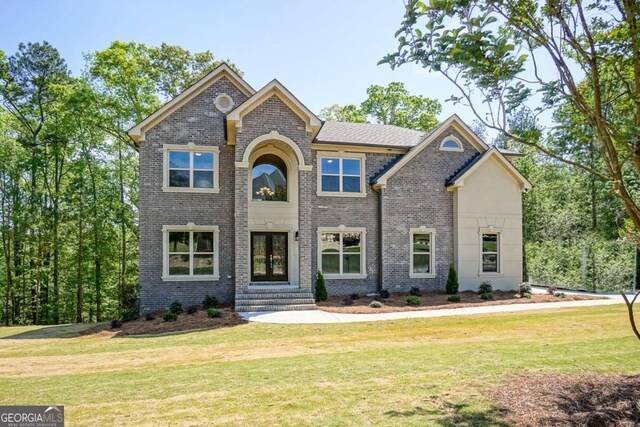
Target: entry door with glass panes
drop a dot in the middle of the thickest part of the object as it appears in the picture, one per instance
(269, 257)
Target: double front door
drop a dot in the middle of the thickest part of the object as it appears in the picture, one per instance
(269, 252)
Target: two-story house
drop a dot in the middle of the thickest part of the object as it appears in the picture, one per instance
(246, 194)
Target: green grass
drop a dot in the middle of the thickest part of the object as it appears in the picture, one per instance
(409, 372)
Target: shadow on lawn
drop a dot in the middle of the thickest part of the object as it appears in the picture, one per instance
(54, 331)
(455, 414)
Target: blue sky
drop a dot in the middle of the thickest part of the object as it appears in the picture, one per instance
(324, 52)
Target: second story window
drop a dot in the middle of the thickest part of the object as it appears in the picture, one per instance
(191, 168)
(341, 175)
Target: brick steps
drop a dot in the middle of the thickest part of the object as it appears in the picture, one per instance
(272, 300)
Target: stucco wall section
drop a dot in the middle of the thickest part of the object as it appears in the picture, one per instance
(490, 198)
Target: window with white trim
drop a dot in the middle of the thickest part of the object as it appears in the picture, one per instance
(490, 252)
(190, 168)
(422, 245)
(451, 143)
(190, 253)
(341, 174)
(341, 252)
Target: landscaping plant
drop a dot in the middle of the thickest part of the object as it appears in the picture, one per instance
(321, 288)
(376, 304)
(524, 288)
(176, 307)
(193, 309)
(454, 298)
(347, 301)
(485, 287)
(209, 302)
(486, 296)
(214, 312)
(452, 281)
(170, 317)
(415, 291)
(414, 300)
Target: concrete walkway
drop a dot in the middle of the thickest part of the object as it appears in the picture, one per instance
(319, 316)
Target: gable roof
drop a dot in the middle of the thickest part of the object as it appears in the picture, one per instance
(274, 87)
(457, 180)
(368, 134)
(223, 70)
(453, 121)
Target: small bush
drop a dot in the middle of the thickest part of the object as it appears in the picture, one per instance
(486, 296)
(192, 309)
(214, 312)
(415, 291)
(414, 300)
(176, 308)
(170, 317)
(452, 281)
(526, 295)
(209, 302)
(551, 290)
(115, 324)
(347, 301)
(321, 288)
(149, 316)
(524, 288)
(354, 296)
(485, 287)
(384, 294)
(376, 304)
(560, 294)
(454, 298)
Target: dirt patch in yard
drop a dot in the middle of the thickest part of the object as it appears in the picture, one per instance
(185, 322)
(438, 300)
(588, 400)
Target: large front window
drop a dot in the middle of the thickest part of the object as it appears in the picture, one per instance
(490, 253)
(269, 179)
(341, 176)
(190, 254)
(342, 253)
(190, 168)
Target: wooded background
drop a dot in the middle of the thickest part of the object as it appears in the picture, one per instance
(69, 182)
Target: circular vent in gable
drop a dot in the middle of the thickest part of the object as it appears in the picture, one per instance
(224, 103)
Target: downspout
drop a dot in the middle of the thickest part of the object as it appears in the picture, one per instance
(380, 245)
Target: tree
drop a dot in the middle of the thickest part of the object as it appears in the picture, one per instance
(390, 105)
(498, 54)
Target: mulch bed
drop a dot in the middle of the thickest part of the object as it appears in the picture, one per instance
(438, 300)
(589, 400)
(185, 322)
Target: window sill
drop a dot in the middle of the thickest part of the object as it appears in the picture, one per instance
(339, 194)
(490, 274)
(345, 276)
(190, 190)
(190, 278)
(422, 275)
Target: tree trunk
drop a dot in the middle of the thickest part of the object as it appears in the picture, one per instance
(79, 293)
(123, 231)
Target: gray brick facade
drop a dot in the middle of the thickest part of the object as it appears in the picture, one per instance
(414, 196)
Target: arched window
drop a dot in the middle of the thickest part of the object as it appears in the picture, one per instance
(269, 177)
(451, 144)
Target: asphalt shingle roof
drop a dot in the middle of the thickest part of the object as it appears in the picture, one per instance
(369, 134)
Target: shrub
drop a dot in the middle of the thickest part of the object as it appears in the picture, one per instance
(376, 304)
(415, 291)
(116, 324)
(526, 295)
(551, 290)
(130, 305)
(414, 300)
(348, 301)
(524, 288)
(454, 298)
(452, 281)
(384, 294)
(354, 296)
(176, 307)
(214, 312)
(170, 317)
(321, 288)
(209, 302)
(193, 309)
(486, 296)
(485, 287)
(560, 294)
(150, 316)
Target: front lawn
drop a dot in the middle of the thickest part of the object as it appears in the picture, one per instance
(440, 371)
